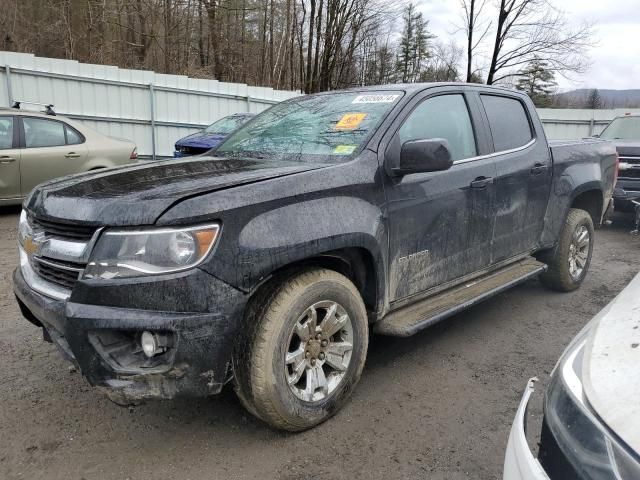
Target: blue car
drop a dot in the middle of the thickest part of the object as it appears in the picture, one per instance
(210, 137)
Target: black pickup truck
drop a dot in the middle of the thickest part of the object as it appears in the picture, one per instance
(267, 262)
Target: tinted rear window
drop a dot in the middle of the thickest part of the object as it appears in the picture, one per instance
(508, 121)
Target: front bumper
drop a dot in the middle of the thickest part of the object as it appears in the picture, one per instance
(625, 191)
(519, 462)
(98, 330)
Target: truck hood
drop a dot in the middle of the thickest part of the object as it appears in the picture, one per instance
(138, 194)
(628, 148)
(201, 140)
(610, 372)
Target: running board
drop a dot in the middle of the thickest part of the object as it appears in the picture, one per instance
(411, 319)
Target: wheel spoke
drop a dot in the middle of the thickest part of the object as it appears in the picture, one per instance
(580, 262)
(572, 266)
(307, 329)
(333, 323)
(297, 359)
(296, 356)
(316, 380)
(297, 373)
(583, 233)
(335, 355)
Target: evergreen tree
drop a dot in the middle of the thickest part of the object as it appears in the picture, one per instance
(413, 49)
(538, 82)
(594, 100)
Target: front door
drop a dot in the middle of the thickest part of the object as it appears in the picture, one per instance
(49, 152)
(9, 159)
(523, 176)
(440, 223)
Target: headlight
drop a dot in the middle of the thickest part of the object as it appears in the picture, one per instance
(23, 228)
(593, 451)
(152, 251)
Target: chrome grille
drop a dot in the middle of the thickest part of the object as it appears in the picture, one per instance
(630, 173)
(62, 230)
(633, 172)
(62, 273)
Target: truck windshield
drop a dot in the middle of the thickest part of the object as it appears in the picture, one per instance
(623, 128)
(227, 124)
(326, 128)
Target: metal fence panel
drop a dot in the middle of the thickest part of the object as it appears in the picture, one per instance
(152, 109)
(561, 124)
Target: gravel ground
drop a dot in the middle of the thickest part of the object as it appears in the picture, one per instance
(438, 405)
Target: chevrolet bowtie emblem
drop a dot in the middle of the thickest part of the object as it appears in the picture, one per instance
(32, 244)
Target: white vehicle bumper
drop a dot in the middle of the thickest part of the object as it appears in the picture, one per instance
(519, 462)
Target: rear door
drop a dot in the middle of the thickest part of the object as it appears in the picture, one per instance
(440, 223)
(523, 175)
(9, 158)
(51, 149)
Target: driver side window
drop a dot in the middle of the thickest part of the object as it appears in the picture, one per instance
(444, 116)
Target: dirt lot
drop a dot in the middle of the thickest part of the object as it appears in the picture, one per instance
(438, 405)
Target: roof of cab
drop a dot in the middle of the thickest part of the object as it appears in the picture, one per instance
(416, 87)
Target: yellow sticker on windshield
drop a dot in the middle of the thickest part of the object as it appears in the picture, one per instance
(350, 121)
(344, 149)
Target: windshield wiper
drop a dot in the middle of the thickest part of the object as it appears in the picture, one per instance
(256, 155)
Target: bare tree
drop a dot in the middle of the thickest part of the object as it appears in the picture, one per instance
(310, 45)
(443, 65)
(475, 30)
(526, 29)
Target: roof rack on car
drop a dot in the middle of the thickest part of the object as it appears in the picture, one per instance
(48, 108)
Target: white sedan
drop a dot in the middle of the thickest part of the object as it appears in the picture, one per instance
(591, 425)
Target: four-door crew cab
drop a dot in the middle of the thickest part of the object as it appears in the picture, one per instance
(266, 264)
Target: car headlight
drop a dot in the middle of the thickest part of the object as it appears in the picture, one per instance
(24, 230)
(150, 251)
(593, 451)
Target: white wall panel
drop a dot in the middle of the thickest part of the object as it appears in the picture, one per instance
(117, 102)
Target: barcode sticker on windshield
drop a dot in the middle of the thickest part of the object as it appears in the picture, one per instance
(375, 99)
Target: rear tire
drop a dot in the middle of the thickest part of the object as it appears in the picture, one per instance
(569, 261)
(304, 350)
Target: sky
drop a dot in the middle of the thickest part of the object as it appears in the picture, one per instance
(614, 60)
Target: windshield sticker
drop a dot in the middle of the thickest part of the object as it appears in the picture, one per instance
(344, 149)
(375, 99)
(350, 121)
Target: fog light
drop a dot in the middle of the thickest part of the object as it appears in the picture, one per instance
(149, 344)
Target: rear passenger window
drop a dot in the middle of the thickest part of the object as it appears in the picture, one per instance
(73, 136)
(6, 133)
(508, 121)
(444, 116)
(43, 133)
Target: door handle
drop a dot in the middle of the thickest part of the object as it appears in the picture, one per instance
(538, 168)
(4, 159)
(482, 182)
(72, 155)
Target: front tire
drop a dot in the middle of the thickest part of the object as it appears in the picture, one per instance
(304, 351)
(569, 261)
